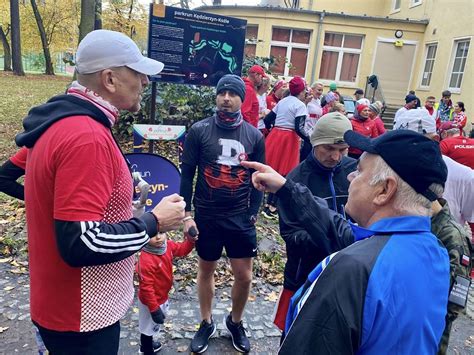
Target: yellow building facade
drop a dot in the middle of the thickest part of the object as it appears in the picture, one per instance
(421, 45)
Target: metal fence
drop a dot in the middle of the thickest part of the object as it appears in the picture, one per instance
(34, 63)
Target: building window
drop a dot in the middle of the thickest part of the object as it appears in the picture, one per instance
(340, 58)
(396, 5)
(251, 34)
(461, 48)
(290, 50)
(429, 63)
(414, 3)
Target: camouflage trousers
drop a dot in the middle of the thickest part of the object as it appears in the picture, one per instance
(453, 312)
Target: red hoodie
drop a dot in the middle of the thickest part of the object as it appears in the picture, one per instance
(272, 100)
(250, 104)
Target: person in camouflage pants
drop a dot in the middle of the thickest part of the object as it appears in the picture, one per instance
(456, 240)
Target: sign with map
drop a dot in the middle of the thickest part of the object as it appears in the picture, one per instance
(196, 47)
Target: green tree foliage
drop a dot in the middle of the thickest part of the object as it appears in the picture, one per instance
(129, 17)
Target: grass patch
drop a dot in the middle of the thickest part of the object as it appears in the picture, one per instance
(17, 97)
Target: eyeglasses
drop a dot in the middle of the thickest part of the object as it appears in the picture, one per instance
(430, 102)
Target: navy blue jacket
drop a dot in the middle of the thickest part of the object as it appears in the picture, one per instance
(302, 248)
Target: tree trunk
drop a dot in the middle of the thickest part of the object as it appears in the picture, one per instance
(49, 70)
(7, 58)
(87, 17)
(15, 37)
(98, 15)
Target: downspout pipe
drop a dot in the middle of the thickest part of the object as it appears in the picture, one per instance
(318, 45)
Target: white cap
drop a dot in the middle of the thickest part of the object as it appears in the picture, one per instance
(418, 120)
(103, 49)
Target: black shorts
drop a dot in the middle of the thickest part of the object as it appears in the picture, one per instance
(236, 233)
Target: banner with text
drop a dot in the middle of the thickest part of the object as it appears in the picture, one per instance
(196, 47)
(160, 173)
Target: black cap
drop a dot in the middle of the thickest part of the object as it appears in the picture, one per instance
(414, 157)
(359, 92)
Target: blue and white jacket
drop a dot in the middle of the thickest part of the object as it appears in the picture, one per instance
(385, 293)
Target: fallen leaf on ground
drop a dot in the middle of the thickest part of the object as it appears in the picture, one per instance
(2, 329)
(272, 297)
(182, 349)
(8, 288)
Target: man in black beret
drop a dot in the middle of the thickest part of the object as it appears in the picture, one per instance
(225, 205)
(383, 288)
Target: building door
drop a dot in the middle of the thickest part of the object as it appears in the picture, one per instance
(393, 66)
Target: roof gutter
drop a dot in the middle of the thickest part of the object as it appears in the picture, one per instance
(330, 14)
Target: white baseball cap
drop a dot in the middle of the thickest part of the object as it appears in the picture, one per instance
(418, 120)
(103, 49)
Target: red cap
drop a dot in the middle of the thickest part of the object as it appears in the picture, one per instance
(297, 84)
(361, 107)
(257, 69)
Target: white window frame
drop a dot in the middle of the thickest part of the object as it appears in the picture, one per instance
(290, 45)
(415, 3)
(341, 51)
(427, 45)
(449, 73)
(394, 9)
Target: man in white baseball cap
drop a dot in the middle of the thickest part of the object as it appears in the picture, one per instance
(103, 49)
(82, 236)
(111, 64)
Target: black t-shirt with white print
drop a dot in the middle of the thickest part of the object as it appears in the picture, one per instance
(223, 186)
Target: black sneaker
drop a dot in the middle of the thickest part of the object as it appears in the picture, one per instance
(237, 331)
(200, 341)
(156, 348)
(268, 214)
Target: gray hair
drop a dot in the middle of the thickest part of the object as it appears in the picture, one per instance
(316, 83)
(407, 200)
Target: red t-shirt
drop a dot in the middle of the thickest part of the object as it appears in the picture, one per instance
(76, 172)
(460, 149)
(19, 158)
(250, 106)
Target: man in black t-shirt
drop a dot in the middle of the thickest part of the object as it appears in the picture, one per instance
(226, 205)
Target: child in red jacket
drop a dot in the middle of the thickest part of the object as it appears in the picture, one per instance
(155, 273)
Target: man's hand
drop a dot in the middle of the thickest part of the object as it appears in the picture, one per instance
(188, 232)
(264, 178)
(158, 316)
(170, 212)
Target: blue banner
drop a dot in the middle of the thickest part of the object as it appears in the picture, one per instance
(160, 173)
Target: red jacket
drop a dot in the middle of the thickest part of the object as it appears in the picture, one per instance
(366, 128)
(250, 105)
(155, 273)
(272, 100)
